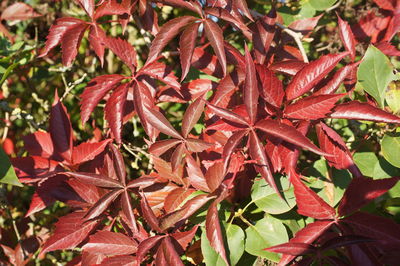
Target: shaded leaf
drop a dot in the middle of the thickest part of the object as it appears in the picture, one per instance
(363, 190)
(250, 88)
(271, 87)
(186, 45)
(87, 151)
(157, 120)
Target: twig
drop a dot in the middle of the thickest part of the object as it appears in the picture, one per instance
(70, 86)
(18, 112)
(132, 149)
(7, 126)
(334, 6)
(297, 36)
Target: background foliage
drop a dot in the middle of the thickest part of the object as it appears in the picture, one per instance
(214, 202)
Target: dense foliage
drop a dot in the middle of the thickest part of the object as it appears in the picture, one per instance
(172, 132)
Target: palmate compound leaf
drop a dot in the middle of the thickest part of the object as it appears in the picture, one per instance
(70, 231)
(308, 202)
(110, 243)
(312, 107)
(363, 190)
(311, 74)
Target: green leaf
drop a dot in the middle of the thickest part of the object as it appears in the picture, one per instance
(267, 232)
(235, 238)
(321, 4)
(7, 173)
(375, 73)
(266, 199)
(391, 149)
(393, 99)
(372, 166)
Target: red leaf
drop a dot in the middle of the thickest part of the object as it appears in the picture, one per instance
(312, 107)
(387, 48)
(167, 32)
(197, 145)
(88, 193)
(228, 115)
(226, 87)
(242, 5)
(290, 67)
(176, 197)
(257, 152)
(70, 231)
(311, 74)
(19, 11)
(216, 37)
(187, 210)
(35, 166)
(161, 72)
(376, 227)
(363, 111)
(341, 75)
(97, 39)
(195, 175)
(157, 120)
(60, 129)
(124, 51)
(146, 245)
(293, 249)
(190, 5)
(385, 4)
(347, 37)
(169, 251)
(141, 182)
(87, 151)
(118, 162)
(307, 235)
(57, 31)
(363, 190)
(160, 147)
(149, 215)
(110, 243)
(192, 115)
(305, 25)
(271, 87)
(96, 89)
(177, 156)
(215, 175)
(263, 35)
(164, 170)
(88, 5)
(342, 241)
(214, 231)
(70, 43)
(288, 134)
(331, 142)
(39, 144)
(95, 179)
(118, 261)
(250, 88)
(114, 110)
(186, 45)
(184, 238)
(231, 145)
(100, 206)
(308, 202)
(206, 62)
